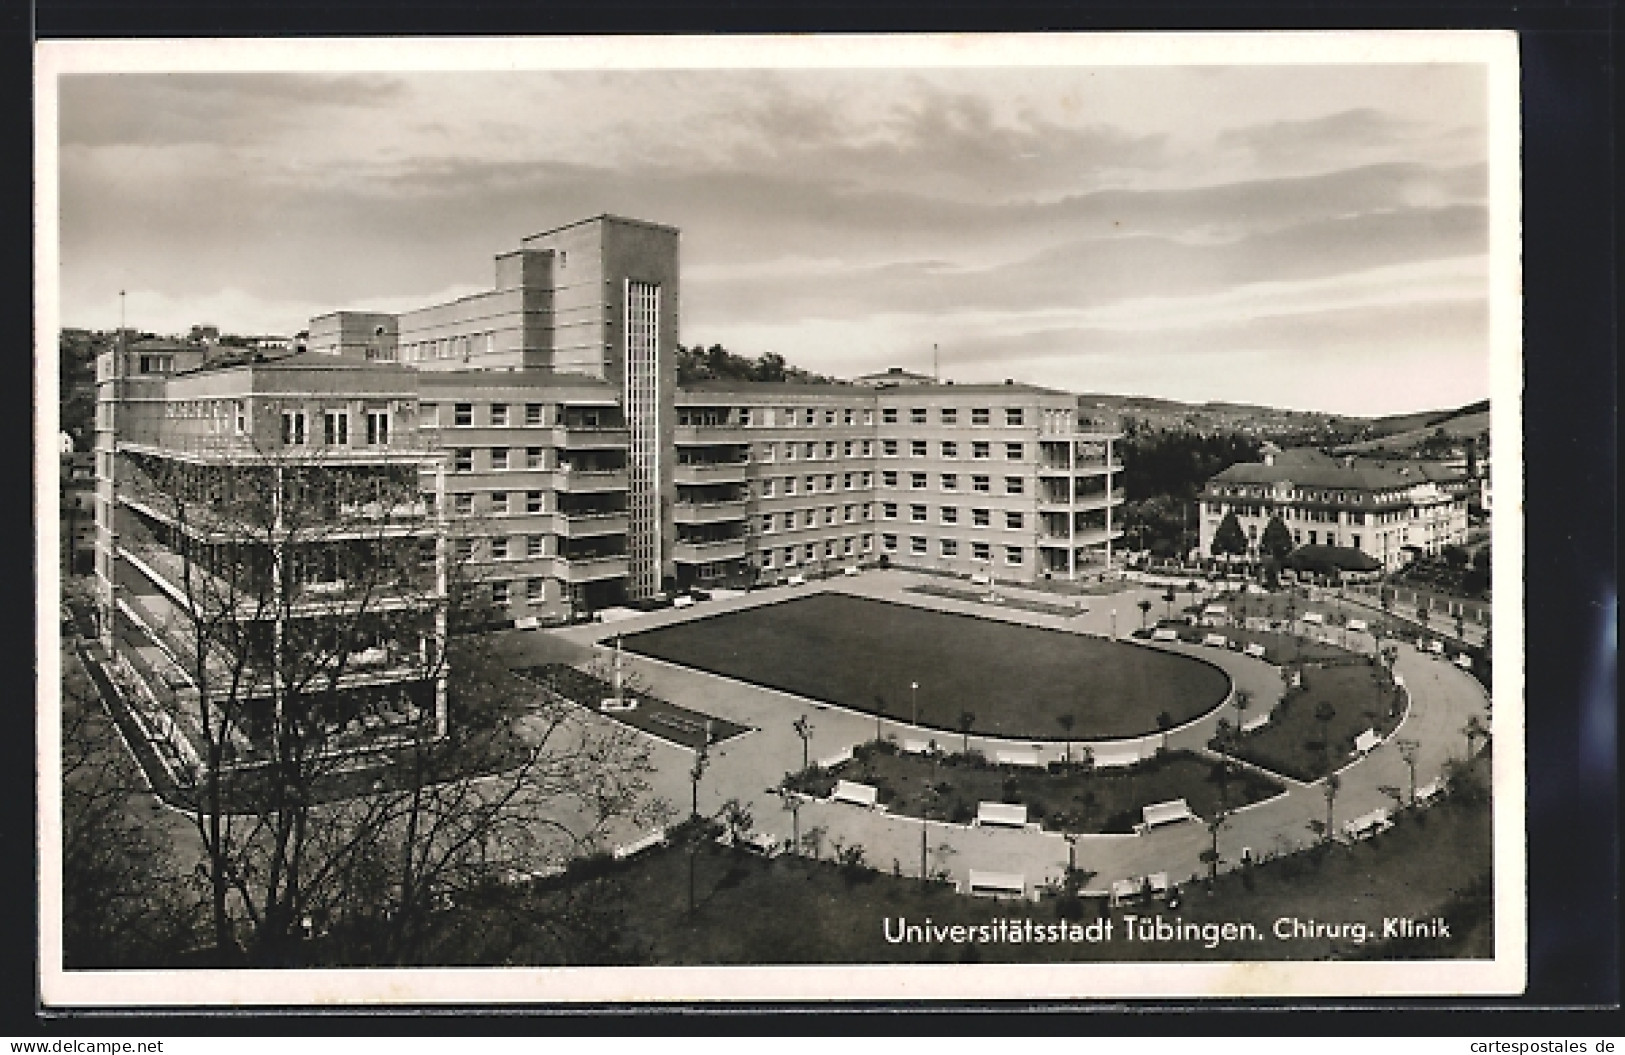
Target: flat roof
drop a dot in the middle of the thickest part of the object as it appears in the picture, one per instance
(603, 217)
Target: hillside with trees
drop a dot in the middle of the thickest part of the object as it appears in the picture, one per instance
(716, 363)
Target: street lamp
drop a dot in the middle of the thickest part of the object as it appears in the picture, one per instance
(804, 730)
(914, 699)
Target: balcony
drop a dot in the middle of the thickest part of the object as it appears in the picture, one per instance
(1084, 502)
(708, 512)
(590, 481)
(587, 525)
(1083, 539)
(591, 437)
(707, 552)
(592, 569)
(707, 435)
(710, 473)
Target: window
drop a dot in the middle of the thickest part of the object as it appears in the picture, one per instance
(846, 481)
(1012, 417)
(888, 510)
(950, 514)
(916, 513)
(766, 558)
(1012, 452)
(888, 478)
(979, 416)
(1013, 485)
(888, 448)
(1012, 555)
(829, 417)
(499, 502)
(810, 519)
(847, 416)
(535, 590)
(950, 547)
(868, 543)
(336, 428)
(981, 550)
(868, 448)
(462, 502)
(499, 457)
(242, 417)
(462, 415)
(917, 449)
(499, 415)
(767, 488)
(533, 413)
(981, 483)
(848, 514)
(499, 548)
(917, 481)
(789, 452)
(846, 449)
(744, 416)
(916, 416)
(846, 546)
(499, 593)
(767, 523)
(377, 428)
(789, 556)
(981, 450)
(888, 415)
(980, 517)
(789, 521)
(829, 449)
(1355, 541)
(829, 547)
(533, 457)
(767, 452)
(950, 449)
(868, 511)
(888, 543)
(868, 417)
(535, 545)
(829, 514)
(812, 419)
(1013, 521)
(293, 428)
(789, 485)
(950, 416)
(950, 481)
(917, 544)
(811, 483)
(808, 550)
(533, 501)
(462, 460)
(829, 482)
(811, 450)
(464, 549)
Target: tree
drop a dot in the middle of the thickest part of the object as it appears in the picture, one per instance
(1145, 610)
(315, 618)
(1165, 722)
(1276, 542)
(1066, 722)
(1229, 540)
(1324, 713)
(967, 721)
(1169, 598)
(1408, 750)
(1475, 730)
(1211, 854)
(1244, 700)
(803, 730)
(125, 900)
(1334, 784)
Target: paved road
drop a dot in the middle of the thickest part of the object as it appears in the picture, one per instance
(746, 767)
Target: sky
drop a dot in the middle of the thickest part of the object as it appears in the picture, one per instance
(1312, 237)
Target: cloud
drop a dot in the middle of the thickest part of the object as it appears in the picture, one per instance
(170, 109)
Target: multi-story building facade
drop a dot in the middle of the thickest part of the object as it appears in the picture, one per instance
(577, 475)
(1388, 512)
(251, 512)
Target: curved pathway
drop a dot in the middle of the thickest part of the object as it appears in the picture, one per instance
(749, 767)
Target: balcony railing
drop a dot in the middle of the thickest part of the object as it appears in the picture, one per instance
(705, 552)
(709, 512)
(586, 525)
(587, 481)
(709, 472)
(592, 569)
(1095, 500)
(591, 437)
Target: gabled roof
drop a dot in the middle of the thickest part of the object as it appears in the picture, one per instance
(1356, 478)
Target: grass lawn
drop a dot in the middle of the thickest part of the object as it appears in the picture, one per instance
(1292, 741)
(1015, 680)
(795, 910)
(1106, 800)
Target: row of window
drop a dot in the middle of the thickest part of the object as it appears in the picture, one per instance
(449, 348)
(1013, 485)
(335, 428)
(1319, 516)
(791, 556)
(920, 546)
(919, 514)
(515, 415)
(980, 450)
(806, 518)
(500, 458)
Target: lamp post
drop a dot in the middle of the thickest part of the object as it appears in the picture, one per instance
(914, 700)
(1114, 624)
(804, 730)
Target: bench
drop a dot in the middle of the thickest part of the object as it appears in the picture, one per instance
(918, 747)
(1164, 634)
(1366, 742)
(1216, 641)
(1255, 650)
(844, 755)
(682, 602)
(1256, 722)
(997, 884)
(1171, 812)
(855, 793)
(797, 580)
(1001, 814)
(527, 622)
(1368, 824)
(1428, 792)
(1017, 758)
(1357, 625)
(653, 839)
(1116, 757)
(1314, 619)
